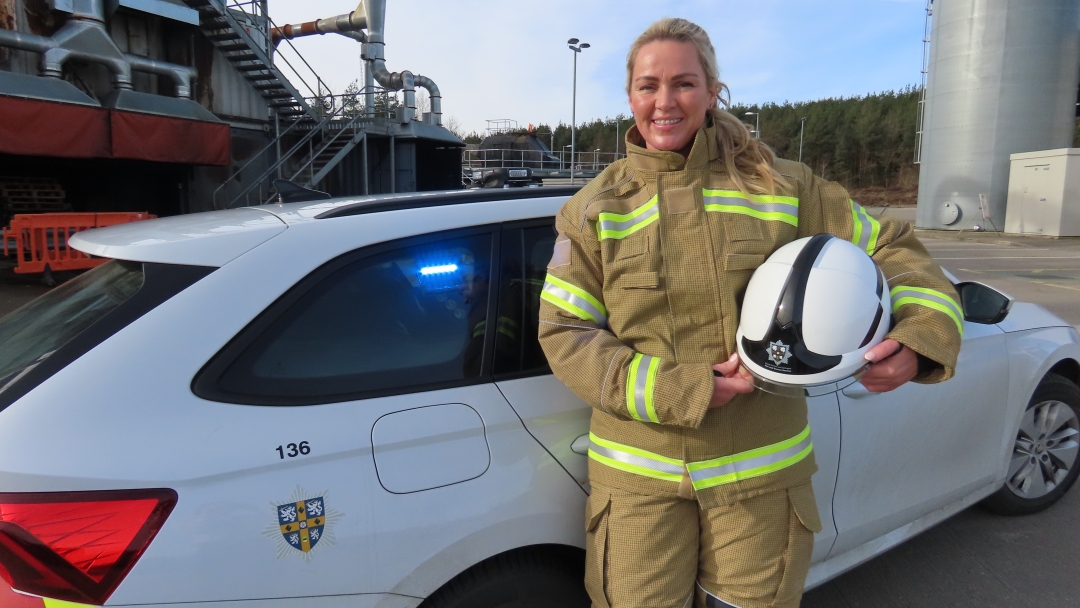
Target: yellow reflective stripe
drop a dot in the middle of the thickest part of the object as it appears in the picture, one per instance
(617, 226)
(640, 384)
(573, 300)
(51, 603)
(752, 463)
(930, 298)
(633, 460)
(766, 207)
(865, 229)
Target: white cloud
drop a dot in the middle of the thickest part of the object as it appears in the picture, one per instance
(509, 59)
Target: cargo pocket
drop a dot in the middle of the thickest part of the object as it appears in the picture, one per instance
(802, 501)
(596, 531)
(803, 522)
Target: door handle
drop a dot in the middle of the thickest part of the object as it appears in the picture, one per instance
(857, 391)
(581, 445)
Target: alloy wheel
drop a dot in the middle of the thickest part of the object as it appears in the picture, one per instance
(1046, 449)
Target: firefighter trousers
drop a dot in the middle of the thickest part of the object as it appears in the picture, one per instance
(666, 552)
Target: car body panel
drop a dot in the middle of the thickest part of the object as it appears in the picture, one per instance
(903, 459)
(1025, 315)
(203, 239)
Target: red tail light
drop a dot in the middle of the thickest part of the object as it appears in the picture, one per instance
(77, 546)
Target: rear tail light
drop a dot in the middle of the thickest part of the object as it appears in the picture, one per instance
(77, 546)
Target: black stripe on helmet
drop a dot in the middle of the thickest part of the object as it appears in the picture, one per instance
(782, 349)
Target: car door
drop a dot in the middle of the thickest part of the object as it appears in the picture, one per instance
(921, 447)
(552, 413)
(382, 359)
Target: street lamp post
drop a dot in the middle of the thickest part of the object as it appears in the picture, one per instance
(757, 123)
(573, 108)
(802, 128)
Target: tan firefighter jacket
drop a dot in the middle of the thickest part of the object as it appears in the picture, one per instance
(642, 297)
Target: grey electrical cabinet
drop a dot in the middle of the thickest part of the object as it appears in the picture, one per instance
(1044, 193)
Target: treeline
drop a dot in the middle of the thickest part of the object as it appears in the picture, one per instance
(866, 141)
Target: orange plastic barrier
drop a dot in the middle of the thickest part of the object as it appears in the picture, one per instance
(41, 239)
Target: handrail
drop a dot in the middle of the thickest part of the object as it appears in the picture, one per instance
(256, 11)
(331, 122)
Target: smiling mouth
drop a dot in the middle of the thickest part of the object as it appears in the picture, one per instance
(667, 121)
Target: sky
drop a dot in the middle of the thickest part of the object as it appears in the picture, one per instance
(508, 59)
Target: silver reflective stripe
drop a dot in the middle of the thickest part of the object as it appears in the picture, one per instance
(639, 396)
(922, 295)
(608, 226)
(637, 461)
(866, 229)
(576, 301)
(734, 469)
(763, 207)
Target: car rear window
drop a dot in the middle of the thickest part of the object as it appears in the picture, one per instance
(47, 334)
(36, 330)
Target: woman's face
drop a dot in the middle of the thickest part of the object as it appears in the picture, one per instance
(669, 95)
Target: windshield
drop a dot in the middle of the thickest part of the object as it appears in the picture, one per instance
(36, 330)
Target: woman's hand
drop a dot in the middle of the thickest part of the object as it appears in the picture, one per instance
(891, 364)
(733, 380)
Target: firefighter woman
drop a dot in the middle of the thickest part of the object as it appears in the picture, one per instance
(697, 495)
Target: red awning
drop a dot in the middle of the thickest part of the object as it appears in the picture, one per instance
(41, 128)
(168, 140)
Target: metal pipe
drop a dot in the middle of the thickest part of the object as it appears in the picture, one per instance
(370, 15)
(363, 156)
(84, 37)
(434, 95)
(180, 75)
(393, 168)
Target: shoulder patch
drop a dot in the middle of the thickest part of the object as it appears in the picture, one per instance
(561, 256)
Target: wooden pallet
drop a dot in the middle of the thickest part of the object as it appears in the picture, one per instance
(31, 195)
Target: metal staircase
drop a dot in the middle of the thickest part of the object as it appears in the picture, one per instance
(319, 130)
(317, 150)
(241, 32)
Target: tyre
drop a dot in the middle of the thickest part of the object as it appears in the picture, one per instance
(1044, 460)
(543, 577)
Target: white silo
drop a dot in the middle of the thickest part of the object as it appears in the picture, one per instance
(1003, 77)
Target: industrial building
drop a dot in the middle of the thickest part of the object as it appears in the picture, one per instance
(178, 106)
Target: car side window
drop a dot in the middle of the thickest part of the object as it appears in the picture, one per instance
(523, 265)
(410, 316)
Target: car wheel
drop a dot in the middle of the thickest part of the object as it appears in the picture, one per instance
(1044, 459)
(545, 577)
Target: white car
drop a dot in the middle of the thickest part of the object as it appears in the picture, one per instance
(343, 403)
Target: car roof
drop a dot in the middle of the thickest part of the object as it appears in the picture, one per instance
(292, 213)
(214, 238)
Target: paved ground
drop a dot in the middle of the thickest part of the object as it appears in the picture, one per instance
(978, 559)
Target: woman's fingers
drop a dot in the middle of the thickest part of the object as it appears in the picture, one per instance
(891, 372)
(729, 367)
(725, 389)
(886, 349)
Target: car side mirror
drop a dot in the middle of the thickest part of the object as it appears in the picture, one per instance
(982, 303)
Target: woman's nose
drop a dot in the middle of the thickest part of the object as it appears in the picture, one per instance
(665, 98)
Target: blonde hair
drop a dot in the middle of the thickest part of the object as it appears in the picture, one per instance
(749, 162)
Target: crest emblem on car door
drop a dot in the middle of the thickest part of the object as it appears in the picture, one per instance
(303, 523)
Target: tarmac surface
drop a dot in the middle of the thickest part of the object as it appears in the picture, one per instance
(975, 559)
(978, 559)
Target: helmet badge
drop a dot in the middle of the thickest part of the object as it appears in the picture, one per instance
(779, 353)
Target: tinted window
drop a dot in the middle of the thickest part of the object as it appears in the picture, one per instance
(411, 317)
(50, 332)
(39, 328)
(525, 256)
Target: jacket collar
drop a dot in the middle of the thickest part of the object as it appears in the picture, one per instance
(704, 150)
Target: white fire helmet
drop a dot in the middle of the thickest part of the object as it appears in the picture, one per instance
(810, 313)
